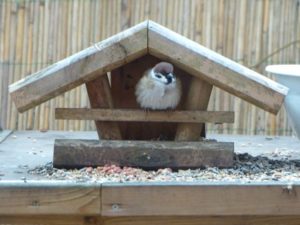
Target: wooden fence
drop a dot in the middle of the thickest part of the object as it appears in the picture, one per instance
(37, 33)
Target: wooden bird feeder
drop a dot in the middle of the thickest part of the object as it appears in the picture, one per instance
(128, 135)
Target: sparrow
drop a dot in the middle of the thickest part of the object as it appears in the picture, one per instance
(158, 89)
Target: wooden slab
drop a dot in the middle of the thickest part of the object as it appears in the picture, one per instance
(144, 154)
(215, 68)
(50, 220)
(46, 198)
(185, 116)
(155, 220)
(197, 99)
(99, 93)
(80, 67)
(201, 220)
(199, 200)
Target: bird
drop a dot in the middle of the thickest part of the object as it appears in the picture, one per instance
(158, 88)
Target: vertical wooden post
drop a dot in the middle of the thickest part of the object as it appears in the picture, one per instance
(197, 98)
(100, 97)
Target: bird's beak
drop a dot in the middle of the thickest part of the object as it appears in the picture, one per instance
(170, 78)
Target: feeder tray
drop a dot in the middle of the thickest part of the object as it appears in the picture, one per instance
(129, 136)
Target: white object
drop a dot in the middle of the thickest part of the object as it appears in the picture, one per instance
(289, 76)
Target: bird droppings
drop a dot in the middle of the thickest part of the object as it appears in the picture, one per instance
(246, 169)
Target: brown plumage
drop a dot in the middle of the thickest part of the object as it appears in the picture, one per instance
(158, 88)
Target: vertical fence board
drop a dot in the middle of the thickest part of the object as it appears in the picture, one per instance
(34, 34)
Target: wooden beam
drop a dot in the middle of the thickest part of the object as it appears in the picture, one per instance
(48, 198)
(155, 220)
(197, 99)
(49, 220)
(99, 93)
(144, 116)
(144, 154)
(199, 200)
(215, 68)
(201, 220)
(80, 67)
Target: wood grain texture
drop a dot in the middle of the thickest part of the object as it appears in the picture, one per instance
(192, 116)
(215, 68)
(80, 67)
(143, 154)
(199, 200)
(99, 93)
(197, 99)
(30, 198)
(50, 220)
(203, 220)
(153, 220)
(124, 80)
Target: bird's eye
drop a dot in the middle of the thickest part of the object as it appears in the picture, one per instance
(158, 75)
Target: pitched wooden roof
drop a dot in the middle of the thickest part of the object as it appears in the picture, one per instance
(148, 38)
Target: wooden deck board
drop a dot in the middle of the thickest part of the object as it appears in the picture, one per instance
(49, 198)
(155, 220)
(198, 200)
(42, 201)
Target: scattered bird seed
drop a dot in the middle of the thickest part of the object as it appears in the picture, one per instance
(246, 169)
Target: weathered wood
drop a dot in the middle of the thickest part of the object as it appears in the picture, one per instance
(199, 200)
(99, 93)
(50, 220)
(46, 198)
(144, 154)
(197, 99)
(123, 82)
(155, 220)
(192, 116)
(215, 68)
(202, 220)
(80, 67)
(4, 134)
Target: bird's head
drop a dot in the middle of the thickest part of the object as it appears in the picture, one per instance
(163, 73)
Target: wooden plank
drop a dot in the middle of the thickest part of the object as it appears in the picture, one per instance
(202, 220)
(197, 99)
(199, 200)
(99, 93)
(215, 68)
(48, 198)
(144, 116)
(80, 67)
(49, 220)
(144, 154)
(155, 220)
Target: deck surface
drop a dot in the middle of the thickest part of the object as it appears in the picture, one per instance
(38, 200)
(24, 150)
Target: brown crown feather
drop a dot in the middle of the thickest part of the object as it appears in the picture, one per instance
(164, 67)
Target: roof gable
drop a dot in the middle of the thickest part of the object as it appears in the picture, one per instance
(215, 68)
(148, 38)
